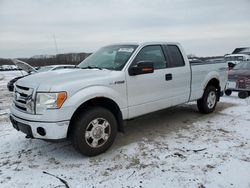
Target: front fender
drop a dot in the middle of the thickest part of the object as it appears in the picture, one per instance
(91, 92)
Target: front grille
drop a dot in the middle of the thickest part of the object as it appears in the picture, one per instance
(23, 98)
(248, 83)
(232, 77)
(23, 88)
(243, 83)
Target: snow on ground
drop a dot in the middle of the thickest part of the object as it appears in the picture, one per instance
(176, 147)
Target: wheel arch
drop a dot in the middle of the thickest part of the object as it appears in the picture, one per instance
(98, 102)
(216, 83)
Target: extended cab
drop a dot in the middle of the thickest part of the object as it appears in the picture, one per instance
(118, 82)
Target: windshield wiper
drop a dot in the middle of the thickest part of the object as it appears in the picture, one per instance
(91, 67)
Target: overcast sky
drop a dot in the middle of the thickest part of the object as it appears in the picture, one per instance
(203, 27)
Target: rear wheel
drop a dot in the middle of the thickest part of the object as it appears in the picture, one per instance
(243, 94)
(228, 92)
(208, 101)
(94, 131)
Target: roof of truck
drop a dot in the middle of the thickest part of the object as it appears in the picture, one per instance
(144, 43)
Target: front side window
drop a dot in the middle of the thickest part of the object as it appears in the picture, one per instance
(152, 54)
(112, 57)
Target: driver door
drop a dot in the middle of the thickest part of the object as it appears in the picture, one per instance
(147, 92)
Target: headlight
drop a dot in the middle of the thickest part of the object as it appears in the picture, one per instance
(49, 101)
(30, 106)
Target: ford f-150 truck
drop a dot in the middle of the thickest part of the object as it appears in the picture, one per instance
(89, 104)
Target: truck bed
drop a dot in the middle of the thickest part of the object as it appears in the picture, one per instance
(200, 73)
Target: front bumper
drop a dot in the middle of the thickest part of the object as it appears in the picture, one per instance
(42, 130)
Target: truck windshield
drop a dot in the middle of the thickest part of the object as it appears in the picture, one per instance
(234, 58)
(112, 57)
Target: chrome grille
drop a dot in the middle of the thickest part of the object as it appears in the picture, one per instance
(23, 98)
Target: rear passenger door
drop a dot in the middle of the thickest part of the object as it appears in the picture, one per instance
(179, 74)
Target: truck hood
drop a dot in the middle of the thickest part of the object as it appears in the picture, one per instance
(60, 80)
(24, 66)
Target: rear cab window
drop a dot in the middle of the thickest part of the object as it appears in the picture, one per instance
(174, 54)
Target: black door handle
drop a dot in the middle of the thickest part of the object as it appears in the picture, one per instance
(168, 77)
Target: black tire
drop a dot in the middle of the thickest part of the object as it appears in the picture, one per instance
(202, 103)
(243, 94)
(221, 94)
(228, 92)
(83, 122)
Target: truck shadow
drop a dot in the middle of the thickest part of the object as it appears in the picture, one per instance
(153, 125)
(164, 122)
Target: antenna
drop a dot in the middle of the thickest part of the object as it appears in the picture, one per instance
(54, 36)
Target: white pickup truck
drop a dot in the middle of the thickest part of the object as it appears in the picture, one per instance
(89, 103)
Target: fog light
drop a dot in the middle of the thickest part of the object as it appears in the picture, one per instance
(41, 131)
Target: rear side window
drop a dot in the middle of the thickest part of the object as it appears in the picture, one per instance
(176, 56)
(152, 54)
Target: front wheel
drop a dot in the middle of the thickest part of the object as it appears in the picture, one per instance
(208, 101)
(94, 131)
(228, 92)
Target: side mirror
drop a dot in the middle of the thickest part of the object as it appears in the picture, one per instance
(142, 67)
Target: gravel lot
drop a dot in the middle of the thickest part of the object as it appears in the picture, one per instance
(176, 147)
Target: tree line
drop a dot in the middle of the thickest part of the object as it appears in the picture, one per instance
(69, 58)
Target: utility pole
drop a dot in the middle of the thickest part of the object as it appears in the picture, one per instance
(54, 36)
